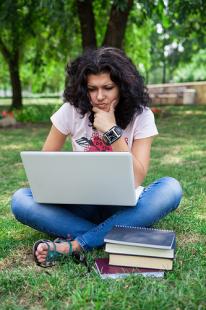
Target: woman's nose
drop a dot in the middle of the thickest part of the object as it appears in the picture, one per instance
(100, 95)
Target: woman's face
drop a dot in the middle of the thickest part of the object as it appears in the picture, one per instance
(102, 91)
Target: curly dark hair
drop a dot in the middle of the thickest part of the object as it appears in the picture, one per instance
(133, 93)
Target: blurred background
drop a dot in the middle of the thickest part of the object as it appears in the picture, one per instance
(166, 39)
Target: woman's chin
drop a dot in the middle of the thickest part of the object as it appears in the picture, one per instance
(106, 109)
(103, 108)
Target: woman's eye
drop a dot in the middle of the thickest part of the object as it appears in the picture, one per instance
(106, 88)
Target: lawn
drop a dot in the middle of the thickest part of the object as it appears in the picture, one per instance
(179, 151)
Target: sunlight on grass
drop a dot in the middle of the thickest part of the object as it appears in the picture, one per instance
(167, 159)
(192, 112)
(20, 148)
(11, 147)
(29, 101)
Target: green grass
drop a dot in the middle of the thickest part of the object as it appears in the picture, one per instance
(179, 151)
(6, 102)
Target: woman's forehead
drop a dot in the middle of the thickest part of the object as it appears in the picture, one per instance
(100, 78)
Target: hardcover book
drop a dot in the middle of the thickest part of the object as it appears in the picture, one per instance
(107, 271)
(140, 236)
(139, 250)
(140, 261)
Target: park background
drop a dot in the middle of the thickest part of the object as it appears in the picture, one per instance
(167, 42)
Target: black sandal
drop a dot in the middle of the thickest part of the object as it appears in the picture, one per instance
(52, 255)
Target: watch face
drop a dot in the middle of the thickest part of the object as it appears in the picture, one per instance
(112, 135)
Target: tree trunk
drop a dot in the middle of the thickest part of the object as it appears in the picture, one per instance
(15, 83)
(12, 59)
(164, 70)
(87, 23)
(117, 25)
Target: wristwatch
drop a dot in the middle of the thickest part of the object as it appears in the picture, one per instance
(112, 135)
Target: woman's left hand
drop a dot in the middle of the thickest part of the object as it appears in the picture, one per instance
(104, 120)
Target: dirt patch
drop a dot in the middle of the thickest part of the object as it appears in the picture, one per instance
(20, 257)
(184, 239)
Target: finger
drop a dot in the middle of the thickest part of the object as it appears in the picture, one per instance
(95, 109)
(112, 106)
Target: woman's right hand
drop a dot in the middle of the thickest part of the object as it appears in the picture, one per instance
(103, 120)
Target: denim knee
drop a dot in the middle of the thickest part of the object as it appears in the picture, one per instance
(174, 188)
(18, 202)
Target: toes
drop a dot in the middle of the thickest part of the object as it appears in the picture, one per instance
(41, 255)
(42, 247)
(41, 259)
(41, 252)
(44, 252)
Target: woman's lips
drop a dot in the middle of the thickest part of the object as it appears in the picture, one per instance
(101, 105)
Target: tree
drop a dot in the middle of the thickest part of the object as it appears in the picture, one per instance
(42, 35)
(87, 23)
(179, 32)
(18, 20)
(35, 32)
(57, 42)
(137, 42)
(116, 25)
(49, 25)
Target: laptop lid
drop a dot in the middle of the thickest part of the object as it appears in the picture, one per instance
(97, 178)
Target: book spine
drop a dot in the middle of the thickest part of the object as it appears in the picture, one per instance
(143, 228)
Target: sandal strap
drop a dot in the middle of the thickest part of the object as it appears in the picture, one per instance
(70, 247)
(60, 240)
(52, 254)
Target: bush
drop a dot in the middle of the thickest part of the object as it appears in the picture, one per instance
(35, 113)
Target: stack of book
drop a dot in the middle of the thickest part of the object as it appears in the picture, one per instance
(138, 247)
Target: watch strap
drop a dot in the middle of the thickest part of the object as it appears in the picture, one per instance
(112, 135)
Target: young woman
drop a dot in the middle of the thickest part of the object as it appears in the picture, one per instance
(105, 109)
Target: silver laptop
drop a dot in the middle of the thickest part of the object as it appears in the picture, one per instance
(90, 178)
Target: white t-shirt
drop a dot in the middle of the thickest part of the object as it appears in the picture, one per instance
(85, 139)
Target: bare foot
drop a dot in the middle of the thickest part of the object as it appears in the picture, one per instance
(63, 247)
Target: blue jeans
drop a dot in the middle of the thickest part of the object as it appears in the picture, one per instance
(89, 224)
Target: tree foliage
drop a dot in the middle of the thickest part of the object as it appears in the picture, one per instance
(182, 25)
(38, 37)
(19, 21)
(195, 70)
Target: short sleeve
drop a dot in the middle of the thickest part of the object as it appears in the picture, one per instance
(145, 125)
(63, 119)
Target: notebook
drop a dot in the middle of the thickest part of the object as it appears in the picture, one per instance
(89, 178)
(107, 271)
(141, 261)
(139, 250)
(141, 236)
